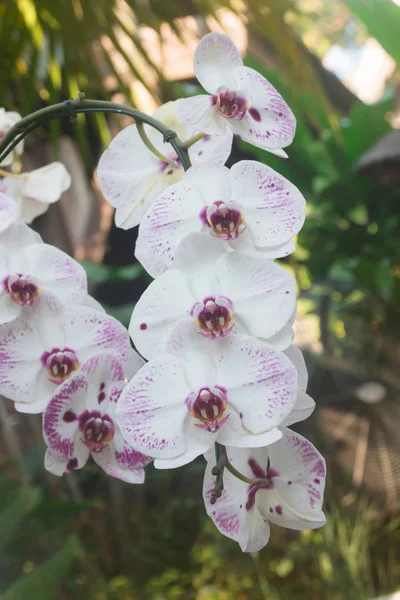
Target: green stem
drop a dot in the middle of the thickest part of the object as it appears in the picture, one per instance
(70, 108)
(239, 475)
(148, 143)
(191, 141)
(222, 463)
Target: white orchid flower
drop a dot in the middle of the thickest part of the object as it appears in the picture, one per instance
(242, 101)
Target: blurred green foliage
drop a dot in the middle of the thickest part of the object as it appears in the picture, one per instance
(176, 552)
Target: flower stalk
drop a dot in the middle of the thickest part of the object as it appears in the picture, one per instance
(70, 108)
(218, 471)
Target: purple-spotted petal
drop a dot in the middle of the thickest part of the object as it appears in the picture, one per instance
(50, 268)
(153, 265)
(59, 465)
(8, 211)
(275, 208)
(269, 123)
(262, 292)
(151, 410)
(28, 344)
(198, 442)
(121, 461)
(178, 211)
(215, 60)
(247, 527)
(304, 405)
(296, 498)
(214, 149)
(131, 177)
(61, 417)
(261, 382)
(166, 301)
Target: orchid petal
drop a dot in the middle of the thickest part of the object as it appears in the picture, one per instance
(261, 382)
(264, 294)
(296, 505)
(273, 125)
(8, 211)
(165, 301)
(215, 61)
(247, 527)
(304, 405)
(151, 410)
(275, 208)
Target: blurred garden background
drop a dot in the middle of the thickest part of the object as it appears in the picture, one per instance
(336, 63)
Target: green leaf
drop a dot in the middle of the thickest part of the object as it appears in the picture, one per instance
(23, 504)
(99, 273)
(365, 126)
(45, 581)
(382, 19)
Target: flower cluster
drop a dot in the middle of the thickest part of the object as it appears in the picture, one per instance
(223, 378)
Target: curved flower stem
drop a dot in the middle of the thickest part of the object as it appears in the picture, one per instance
(222, 464)
(147, 142)
(70, 108)
(239, 475)
(191, 141)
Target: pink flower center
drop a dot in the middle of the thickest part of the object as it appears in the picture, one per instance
(60, 364)
(23, 289)
(226, 220)
(208, 406)
(213, 317)
(230, 105)
(98, 430)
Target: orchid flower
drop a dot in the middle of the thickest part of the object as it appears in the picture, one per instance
(289, 481)
(26, 271)
(249, 207)
(79, 421)
(235, 390)
(131, 176)
(224, 293)
(35, 190)
(47, 344)
(242, 101)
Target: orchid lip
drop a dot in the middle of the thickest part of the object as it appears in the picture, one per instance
(23, 289)
(98, 430)
(213, 317)
(208, 406)
(230, 104)
(225, 219)
(60, 364)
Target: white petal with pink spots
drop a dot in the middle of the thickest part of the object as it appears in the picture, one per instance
(290, 481)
